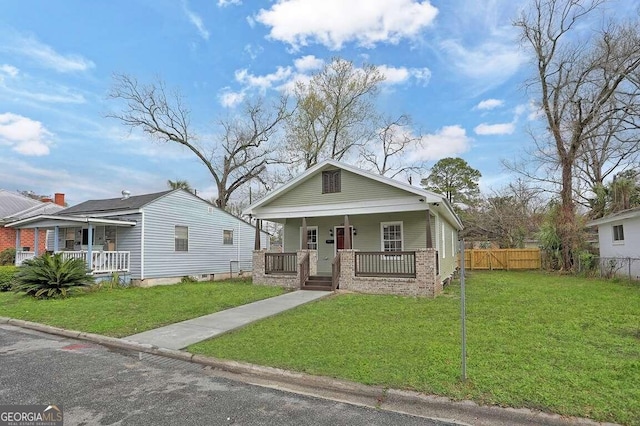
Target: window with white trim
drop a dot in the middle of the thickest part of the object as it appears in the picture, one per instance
(391, 235)
(227, 237)
(618, 233)
(181, 238)
(312, 237)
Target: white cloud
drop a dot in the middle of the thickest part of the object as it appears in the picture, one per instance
(196, 20)
(229, 98)
(490, 61)
(308, 63)
(225, 3)
(23, 135)
(9, 70)
(495, 129)
(399, 75)
(333, 23)
(253, 51)
(47, 57)
(263, 82)
(449, 141)
(490, 104)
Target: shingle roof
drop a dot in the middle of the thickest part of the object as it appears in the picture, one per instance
(113, 204)
(44, 209)
(12, 203)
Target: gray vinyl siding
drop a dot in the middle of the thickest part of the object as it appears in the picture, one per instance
(206, 253)
(129, 239)
(354, 188)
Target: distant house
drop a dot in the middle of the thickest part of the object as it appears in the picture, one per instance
(151, 239)
(354, 230)
(15, 206)
(619, 238)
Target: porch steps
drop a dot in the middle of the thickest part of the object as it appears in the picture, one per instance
(318, 282)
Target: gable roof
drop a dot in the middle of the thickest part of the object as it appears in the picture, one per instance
(616, 217)
(14, 206)
(430, 196)
(133, 202)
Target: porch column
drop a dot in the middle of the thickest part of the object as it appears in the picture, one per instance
(256, 244)
(347, 233)
(89, 246)
(304, 239)
(56, 233)
(429, 237)
(18, 247)
(36, 240)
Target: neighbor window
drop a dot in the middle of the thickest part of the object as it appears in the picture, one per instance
(182, 238)
(227, 237)
(392, 236)
(618, 233)
(330, 181)
(312, 237)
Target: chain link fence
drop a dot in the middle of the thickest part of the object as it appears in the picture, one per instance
(610, 267)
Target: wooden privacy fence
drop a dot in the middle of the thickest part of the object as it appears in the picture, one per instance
(501, 259)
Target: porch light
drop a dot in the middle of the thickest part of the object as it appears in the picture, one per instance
(355, 231)
(331, 232)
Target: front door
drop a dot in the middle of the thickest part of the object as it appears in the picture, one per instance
(340, 238)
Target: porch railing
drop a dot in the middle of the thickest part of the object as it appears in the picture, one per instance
(101, 261)
(382, 264)
(335, 272)
(280, 263)
(21, 256)
(304, 269)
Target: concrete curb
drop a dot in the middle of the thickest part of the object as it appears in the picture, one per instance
(408, 402)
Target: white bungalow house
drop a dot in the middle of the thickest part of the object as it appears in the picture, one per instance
(150, 239)
(354, 230)
(619, 242)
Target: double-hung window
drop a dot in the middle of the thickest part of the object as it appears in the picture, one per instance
(182, 238)
(391, 236)
(227, 237)
(618, 234)
(312, 237)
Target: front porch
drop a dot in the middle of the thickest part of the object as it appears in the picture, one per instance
(94, 240)
(411, 273)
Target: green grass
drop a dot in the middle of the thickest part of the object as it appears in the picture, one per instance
(555, 343)
(124, 311)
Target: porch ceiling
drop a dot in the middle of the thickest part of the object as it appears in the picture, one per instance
(50, 221)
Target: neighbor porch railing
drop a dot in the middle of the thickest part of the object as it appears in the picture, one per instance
(101, 261)
(21, 256)
(382, 264)
(280, 263)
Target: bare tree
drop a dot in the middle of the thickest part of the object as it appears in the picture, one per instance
(334, 112)
(387, 153)
(241, 154)
(577, 78)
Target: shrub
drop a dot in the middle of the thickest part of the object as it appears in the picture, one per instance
(8, 257)
(51, 276)
(6, 277)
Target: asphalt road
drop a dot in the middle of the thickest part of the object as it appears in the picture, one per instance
(99, 386)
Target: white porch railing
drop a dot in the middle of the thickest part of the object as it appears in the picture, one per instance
(101, 261)
(21, 256)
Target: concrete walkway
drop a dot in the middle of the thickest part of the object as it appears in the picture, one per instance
(185, 333)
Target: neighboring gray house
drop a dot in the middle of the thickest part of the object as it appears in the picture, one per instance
(348, 228)
(619, 241)
(152, 238)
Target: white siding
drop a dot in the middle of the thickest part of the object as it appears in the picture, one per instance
(629, 248)
(128, 239)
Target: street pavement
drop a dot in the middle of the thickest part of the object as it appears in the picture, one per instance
(101, 386)
(185, 333)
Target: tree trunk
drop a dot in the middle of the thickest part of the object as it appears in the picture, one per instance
(566, 225)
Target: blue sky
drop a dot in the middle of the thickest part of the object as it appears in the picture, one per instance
(454, 66)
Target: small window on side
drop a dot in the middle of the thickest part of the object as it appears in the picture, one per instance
(618, 233)
(227, 237)
(182, 238)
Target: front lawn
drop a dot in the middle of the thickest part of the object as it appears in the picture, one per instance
(124, 311)
(555, 343)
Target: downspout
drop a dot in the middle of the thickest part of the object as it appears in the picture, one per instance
(142, 247)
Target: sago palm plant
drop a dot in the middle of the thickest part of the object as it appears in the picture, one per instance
(49, 276)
